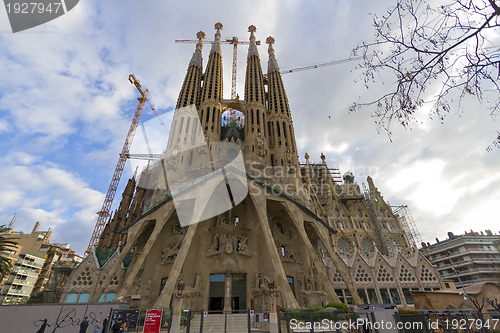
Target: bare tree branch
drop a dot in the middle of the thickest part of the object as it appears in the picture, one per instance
(435, 56)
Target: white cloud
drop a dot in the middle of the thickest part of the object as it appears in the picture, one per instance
(66, 106)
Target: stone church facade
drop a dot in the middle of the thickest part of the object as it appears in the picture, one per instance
(300, 237)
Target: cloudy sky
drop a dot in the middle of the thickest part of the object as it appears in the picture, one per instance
(66, 105)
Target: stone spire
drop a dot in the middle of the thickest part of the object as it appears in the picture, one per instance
(211, 97)
(255, 105)
(281, 126)
(252, 50)
(191, 88)
(216, 45)
(196, 59)
(272, 65)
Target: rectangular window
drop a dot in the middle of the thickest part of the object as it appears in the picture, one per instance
(372, 296)
(101, 299)
(348, 296)
(162, 283)
(395, 296)
(407, 295)
(84, 298)
(340, 295)
(110, 297)
(385, 296)
(291, 284)
(362, 295)
(71, 298)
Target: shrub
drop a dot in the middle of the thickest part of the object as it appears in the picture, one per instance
(403, 311)
(341, 307)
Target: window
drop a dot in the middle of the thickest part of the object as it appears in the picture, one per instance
(395, 296)
(110, 297)
(71, 298)
(101, 299)
(348, 296)
(84, 298)
(163, 282)
(291, 284)
(362, 295)
(407, 295)
(340, 295)
(359, 213)
(385, 296)
(372, 296)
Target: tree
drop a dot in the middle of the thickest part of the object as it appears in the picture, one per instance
(5, 245)
(438, 52)
(494, 303)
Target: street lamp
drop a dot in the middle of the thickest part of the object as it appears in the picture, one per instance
(466, 296)
(180, 288)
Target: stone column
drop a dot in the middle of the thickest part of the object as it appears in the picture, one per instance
(130, 242)
(160, 223)
(296, 216)
(176, 314)
(228, 288)
(279, 276)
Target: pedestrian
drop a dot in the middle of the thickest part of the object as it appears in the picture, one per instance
(84, 324)
(105, 324)
(42, 328)
(97, 326)
(124, 327)
(117, 326)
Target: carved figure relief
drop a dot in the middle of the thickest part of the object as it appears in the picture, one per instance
(168, 254)
(260, 146)
(229, 244)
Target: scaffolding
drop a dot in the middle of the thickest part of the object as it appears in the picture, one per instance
(321, 171)
(376, 223)
(408, 224)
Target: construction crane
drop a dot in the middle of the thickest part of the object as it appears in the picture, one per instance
(235, 42)
(103, 215)
(331, 63)
(495, 143)
(13, 220)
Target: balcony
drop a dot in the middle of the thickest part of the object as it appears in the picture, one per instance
(25, 271)
(472, 271)
(28, 263)
(17, 292)
(455, 255)
(472, 281)
(442, 247)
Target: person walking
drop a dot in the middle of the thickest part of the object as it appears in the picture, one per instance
(125, 327)
(105, 324)
(42, 328)
(117, 326)
(97, 326)
(84, 324)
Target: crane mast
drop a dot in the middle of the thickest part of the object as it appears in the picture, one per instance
(103, 215)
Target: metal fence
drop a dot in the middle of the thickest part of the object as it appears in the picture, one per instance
(385, 320)
(225, 321)
(328, 320)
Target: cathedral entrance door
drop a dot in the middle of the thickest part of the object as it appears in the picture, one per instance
(216, 297)
(239, 292)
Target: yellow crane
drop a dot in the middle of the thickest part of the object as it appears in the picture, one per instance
(103, 215)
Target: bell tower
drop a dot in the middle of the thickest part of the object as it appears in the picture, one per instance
(256, 143)
(211, 96)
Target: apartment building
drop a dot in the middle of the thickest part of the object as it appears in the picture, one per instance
(466, 259)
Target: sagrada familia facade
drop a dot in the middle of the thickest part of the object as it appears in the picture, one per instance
(265, 230)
